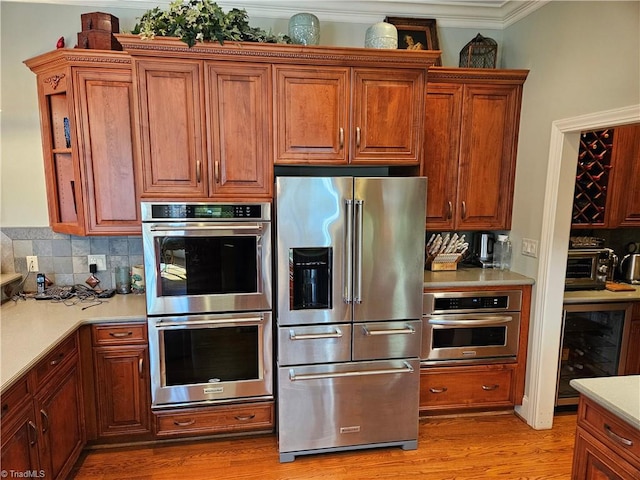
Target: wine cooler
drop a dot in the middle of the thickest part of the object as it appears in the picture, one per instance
(594, 343)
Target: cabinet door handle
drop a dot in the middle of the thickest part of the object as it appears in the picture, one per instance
(464, 209)
(357, 137)
(495, 386)
(73, 194)
(244, 418)
(184, 424)
(140, 364)
(438, 390)
(33, 433)
(216, 170)
(614, 436)
(198, 171)
(121, 334)
(45, 421)
(449, 210)
(341, 138)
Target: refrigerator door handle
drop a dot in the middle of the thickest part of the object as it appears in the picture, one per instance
(347, 295)
(351, 373)
(357, 276)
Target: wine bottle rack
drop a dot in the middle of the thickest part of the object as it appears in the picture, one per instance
(592, 177)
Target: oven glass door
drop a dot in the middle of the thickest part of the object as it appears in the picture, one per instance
(205, 358)
(469, 336)
(201, 268)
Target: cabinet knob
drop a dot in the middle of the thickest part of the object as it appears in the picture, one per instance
(184, 424)
(244, 418)
(438, 390)
(495, 386)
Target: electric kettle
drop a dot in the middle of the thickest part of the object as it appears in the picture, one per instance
(630, 268)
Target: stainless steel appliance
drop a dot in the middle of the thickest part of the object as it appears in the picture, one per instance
(589, 268)
(595, 339)
(208, 285)
(630, 268)
(349, 298)
(468, 327)
(206, 257)
(482, 249)
(200, 359)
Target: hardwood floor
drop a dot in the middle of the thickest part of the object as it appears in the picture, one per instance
(464, 448)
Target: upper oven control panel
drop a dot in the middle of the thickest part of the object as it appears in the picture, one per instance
(469, 302)
(177, 211)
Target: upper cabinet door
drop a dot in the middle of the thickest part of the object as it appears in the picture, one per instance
(388, 111)
(625, 188)
(171, 122)
(441, 148)
(104, 116)
(487, 156)
(238, 129)
(311, 117)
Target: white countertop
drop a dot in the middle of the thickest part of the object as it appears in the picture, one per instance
(619, 395)
(598, 296)
(473, 277)
(29, 329)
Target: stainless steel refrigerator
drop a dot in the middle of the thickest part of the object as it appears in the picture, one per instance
(350, 270)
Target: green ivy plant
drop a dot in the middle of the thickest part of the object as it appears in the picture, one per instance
(201, 20)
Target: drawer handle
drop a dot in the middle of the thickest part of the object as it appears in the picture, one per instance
(184, 424)
(438, 390)
(121, 334)
(407, 330)
(33, 430)
(614, 436)
(314, 336)
(57, 360)
(244, 418)
(495, 386)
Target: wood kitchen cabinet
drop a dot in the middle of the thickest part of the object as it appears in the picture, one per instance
(204, 129)
(606, 446)
(43, 428)
(121, 384)
(85, 99)
(477, 386)
(607, 188)
(471, 127)
(632, 362)
(340, 116)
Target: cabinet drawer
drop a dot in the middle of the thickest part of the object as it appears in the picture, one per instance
(314, 344)
(211, 420)
(613, 432)
(14, 398)
(474, 387)
(52, 362)
(119, 333)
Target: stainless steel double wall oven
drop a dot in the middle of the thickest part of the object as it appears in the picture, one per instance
(209, 295)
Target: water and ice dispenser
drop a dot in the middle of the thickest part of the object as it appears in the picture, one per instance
(310, 278)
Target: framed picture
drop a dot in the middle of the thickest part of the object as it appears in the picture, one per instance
(416, 33)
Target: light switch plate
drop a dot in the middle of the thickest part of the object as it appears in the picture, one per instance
(530, 247)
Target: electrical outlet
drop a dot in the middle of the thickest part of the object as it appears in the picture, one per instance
(32, 263)
(530, 247)
(99, 260)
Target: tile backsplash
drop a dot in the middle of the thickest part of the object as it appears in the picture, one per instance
(63, 258)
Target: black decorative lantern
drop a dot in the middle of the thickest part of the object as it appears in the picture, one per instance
(481, 52)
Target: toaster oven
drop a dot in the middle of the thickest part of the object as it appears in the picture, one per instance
(589, 268)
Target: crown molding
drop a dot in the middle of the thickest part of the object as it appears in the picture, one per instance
(489, 14)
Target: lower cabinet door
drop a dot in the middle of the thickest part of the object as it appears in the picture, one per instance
(60, 421)
(122, 387)
(593, 461)
(20, 441)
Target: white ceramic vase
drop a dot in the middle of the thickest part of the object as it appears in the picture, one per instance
(381, 35)
(304, 29)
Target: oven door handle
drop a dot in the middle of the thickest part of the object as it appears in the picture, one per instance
(192, 228)
(254, 320)
(352, 373)
(471, 322)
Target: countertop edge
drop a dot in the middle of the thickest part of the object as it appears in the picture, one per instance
(590, 388)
